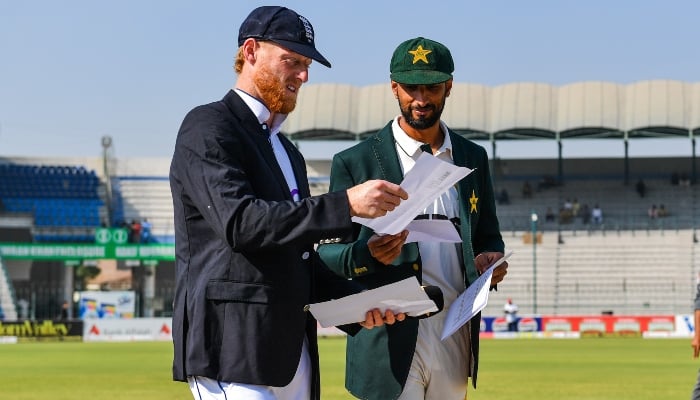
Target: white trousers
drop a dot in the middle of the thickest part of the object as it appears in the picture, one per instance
(440, 370)
(298, 389)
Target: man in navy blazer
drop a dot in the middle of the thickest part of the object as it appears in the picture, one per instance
(245, 228)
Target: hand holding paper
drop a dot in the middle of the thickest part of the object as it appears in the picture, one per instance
(374, 198)
(405, 296)
(473, 300)
(427, 180)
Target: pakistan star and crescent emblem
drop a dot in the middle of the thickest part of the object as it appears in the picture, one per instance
(473, 200)
(419, 54)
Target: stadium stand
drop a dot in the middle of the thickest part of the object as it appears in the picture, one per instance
(64, 200)
(116, 202)
(141, 190)
(624, 272)
(148, 198)
(622, 208)
(628, 264)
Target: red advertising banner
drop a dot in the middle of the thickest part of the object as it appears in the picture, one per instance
(609, 325)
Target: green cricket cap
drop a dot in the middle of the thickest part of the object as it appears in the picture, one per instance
(421, 61)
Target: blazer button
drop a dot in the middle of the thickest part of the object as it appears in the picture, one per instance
(416, 267)
(305, 255)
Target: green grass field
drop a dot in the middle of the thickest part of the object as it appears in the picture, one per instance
(523, 369)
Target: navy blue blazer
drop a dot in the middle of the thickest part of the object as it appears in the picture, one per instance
(245, 260)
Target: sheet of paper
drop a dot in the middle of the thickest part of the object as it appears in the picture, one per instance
(473, 300)
(403, 296)
(432, 230)
(427, 180)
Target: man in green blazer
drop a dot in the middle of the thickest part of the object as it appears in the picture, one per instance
(408, 360)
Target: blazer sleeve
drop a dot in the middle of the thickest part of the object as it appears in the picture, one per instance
(353, 258)
(227, 177)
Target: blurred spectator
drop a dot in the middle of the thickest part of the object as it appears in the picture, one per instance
(503, 197)
(683, 180)
(585, 214)
(575, 208)
(510, 310)
(23, 311)
(527, 190)
(548, 181)
(64, 311)
(568, 205)
(662, 212)
(549, 216)
(125, 225)
(641, 188)
(145, 231)
(135, 231)
(597, 214)
(652, 212)
(675, 179)
(565, 215)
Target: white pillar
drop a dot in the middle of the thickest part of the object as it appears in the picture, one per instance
(68, 286)
(149, 287)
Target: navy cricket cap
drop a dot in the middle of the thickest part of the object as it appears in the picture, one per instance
(284, 27)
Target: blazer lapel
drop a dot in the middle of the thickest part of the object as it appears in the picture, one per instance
(298, 166)
(260, 137)
(459, 156)
(384, 151)
(389, 166)
(265, 147)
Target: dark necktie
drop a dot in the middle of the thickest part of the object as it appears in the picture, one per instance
(426, 148)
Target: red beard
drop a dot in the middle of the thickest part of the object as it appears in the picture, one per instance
(273, 92)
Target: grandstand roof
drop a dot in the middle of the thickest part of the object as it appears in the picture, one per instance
(523, 110)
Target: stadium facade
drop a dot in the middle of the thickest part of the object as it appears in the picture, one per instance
(563, 270)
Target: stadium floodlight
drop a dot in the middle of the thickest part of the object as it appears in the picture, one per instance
(106, 142)
(533, 219)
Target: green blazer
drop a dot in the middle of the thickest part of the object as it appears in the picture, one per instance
(378, 360)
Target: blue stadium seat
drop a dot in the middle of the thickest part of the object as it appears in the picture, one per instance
(57, 195)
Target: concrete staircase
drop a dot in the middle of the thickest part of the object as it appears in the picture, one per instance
(7, 304)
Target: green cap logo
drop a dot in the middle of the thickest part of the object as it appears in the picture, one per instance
(421, 61)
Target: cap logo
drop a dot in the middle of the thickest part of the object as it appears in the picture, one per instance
(307, 29)
(419, 54)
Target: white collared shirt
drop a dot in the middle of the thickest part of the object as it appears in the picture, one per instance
(442, 267)
(441, 261)
(263, 114)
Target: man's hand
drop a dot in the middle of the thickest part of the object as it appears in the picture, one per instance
(386, 248)
(374, 198)
(696, 346)
(484, 260)
(374, 318)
